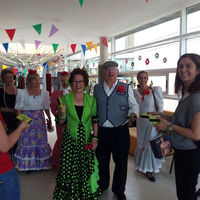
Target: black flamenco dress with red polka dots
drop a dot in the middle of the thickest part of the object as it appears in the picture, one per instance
(76, 167)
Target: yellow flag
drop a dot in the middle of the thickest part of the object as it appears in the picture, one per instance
(4, 66)
(95, 47)
(89, 44)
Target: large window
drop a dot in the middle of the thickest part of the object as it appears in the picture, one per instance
(193, 22)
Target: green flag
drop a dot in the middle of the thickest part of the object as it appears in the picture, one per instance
(38, 28)
(81, 2)
(55, 46)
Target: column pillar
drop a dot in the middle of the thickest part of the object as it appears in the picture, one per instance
(103, 58)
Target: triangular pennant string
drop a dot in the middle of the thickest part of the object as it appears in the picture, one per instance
(105, 42)
(83, 48)
(73, 47)
(89, 44)
(38, 28)
(53, 30)
(5, 45)
(22, 42)
(95, 47)
(55, 46)
(37, 43)
(81, 2)
(11, 33)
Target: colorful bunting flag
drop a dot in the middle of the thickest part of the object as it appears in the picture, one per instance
(95, 47)
(38, 28)
(89, 44)
(37, 43)
(83, 48)
(105, 42)
(4, 66)
(5, 45)
(53, 30)
(55, 46)
(22, 42)
(81, 2)
(73, 47)
(10, 33)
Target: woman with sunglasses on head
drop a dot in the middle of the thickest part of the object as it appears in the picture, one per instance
(184, 126)
(78, 173)
(56, 95)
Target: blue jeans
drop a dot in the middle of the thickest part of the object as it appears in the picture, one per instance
(9, 186)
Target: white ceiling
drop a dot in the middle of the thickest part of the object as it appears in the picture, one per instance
(79, 25)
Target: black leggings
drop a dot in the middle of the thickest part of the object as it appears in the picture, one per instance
(187, 168)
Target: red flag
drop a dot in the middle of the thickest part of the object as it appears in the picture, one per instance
(10, 33)
(105, 42)
(73, 47)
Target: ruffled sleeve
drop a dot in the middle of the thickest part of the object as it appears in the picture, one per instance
(46, 100)
(19, 104)
(159, 97)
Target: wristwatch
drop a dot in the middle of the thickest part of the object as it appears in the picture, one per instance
(171, 129)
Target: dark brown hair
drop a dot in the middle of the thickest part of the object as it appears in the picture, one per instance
(141, 72)
(81, 72)
(6, 71)
(195, 86)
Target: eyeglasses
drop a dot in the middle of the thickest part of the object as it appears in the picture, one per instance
(78, 81)
(109, 69)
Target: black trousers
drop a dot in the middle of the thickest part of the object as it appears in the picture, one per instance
(187, 168)
(115, 141)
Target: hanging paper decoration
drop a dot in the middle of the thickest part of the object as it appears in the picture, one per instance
(53, 30)
(22, 42)
(73, 47)
(105, 42)
(81, 2)
(95, 47)
(4, 66)
(37, 43)
(147, 61)
(11, 33)
(89, 44)
(126, 60)
(5, 45)
(157, 55)
(132, 64)
(83, 48)
(151, 84)
(164, 59)
(52, 64)
(139, 57)
(55, 46)
(38, 28)
(146, 1)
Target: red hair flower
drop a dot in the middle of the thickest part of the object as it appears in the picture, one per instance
(64, 73)
(30, 71)
(120, 89)
(88, 146)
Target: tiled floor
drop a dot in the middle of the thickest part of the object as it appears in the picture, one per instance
(40, 185)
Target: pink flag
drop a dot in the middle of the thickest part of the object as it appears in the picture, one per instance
(37, 43)
(53, 30)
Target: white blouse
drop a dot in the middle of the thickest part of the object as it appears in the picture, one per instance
(26, 102)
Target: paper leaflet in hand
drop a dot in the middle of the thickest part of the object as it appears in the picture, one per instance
(23, 117)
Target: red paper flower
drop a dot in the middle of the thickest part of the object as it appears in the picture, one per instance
(147, 61)
(120, 89)
(30, 71)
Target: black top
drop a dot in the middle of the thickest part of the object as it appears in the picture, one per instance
(9, 118)
(79, 111)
